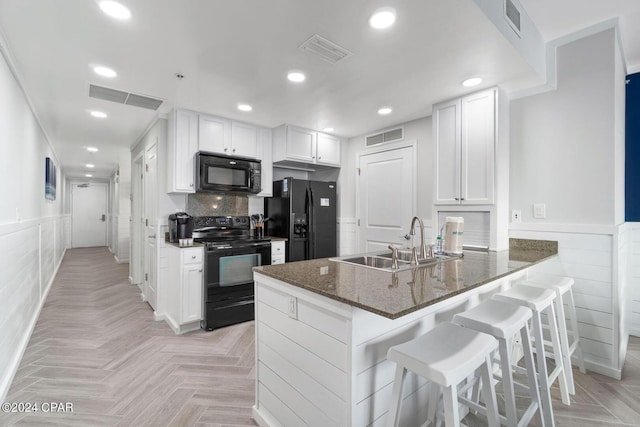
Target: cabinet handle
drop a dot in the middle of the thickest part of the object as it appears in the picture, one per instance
(313, 157)
(456, 198)
(193, 257)
(461, 198)
(200, 271)
(190, 185)
(234, 150)
(319, 157)
(225, 149)
(152, 237)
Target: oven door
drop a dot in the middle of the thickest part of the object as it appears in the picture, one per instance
(232, 265)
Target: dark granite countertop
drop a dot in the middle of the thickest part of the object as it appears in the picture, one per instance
(394, 295)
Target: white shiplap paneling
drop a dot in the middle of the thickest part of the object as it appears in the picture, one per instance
(27, 268)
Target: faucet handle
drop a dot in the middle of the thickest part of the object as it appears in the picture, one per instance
(414, 256)
(430, 253)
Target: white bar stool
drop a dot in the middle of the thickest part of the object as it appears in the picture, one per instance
(504, 321)
(446, 356)
(562, 288)
(540, 300)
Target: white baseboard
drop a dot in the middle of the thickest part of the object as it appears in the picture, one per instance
(121, 261)
(603, 370)
(263, 418)
(14, 364)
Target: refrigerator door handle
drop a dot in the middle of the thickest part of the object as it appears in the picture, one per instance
(311, 226)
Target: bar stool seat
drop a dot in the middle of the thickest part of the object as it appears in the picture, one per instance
(446, 355)
(539, 301)
(504, 321)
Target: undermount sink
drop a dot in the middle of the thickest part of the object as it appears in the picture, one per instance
(382, 261)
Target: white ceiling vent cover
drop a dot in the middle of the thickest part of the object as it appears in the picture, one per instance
(325, 49)
(390, 135)
(512, 14)
(126, 98)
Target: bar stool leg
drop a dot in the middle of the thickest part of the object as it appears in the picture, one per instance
(432, 404)
(534, 391)
(564, 344)
(489, 393)
(393, 417)
(507, 379)
(574, 332)
(451, 411)
(543, 377)
(557, 354)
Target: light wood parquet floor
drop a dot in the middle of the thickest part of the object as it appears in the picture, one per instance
(97, 346)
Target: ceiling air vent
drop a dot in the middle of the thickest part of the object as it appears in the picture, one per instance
(390, 135)
(512, 14)
(325, 49)
(126, 98)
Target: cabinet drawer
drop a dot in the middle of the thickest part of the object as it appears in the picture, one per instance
(277, 247)
(277, 259)
(192, 256)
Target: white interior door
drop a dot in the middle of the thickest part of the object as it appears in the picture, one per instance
(88, 215)
(137, 223)
(386, 198)
(151, 217)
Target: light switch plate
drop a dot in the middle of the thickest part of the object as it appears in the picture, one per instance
(539, 210)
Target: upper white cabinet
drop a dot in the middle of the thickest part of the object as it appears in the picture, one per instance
(464, 132)
(265, 153)
(182, 147)
(223, 136)
(214, 134)
(297, 145)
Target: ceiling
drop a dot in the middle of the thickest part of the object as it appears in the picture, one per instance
(239, 51)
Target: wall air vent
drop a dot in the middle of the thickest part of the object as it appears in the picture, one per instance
(512, 14)
(126, 98)
(390, 135)
(325, 49)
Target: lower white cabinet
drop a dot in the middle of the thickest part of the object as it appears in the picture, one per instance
(184, 288)
(277, 252)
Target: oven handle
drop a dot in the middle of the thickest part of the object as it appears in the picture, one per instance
(247, 245)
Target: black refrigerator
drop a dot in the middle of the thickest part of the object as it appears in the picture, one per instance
(305, 213)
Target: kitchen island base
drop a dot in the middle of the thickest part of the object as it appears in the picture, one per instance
(321, 362)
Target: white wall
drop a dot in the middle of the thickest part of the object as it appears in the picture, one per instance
(31, 228)
(567, 151)
(563, 141)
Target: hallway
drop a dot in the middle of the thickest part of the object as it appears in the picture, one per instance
(97, 346)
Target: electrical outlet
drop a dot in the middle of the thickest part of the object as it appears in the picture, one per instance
(516, 215)
(539, 210)
(292, 307)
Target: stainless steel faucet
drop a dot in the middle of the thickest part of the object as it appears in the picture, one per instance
(423, 246)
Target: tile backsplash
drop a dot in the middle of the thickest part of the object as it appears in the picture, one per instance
(210, 204)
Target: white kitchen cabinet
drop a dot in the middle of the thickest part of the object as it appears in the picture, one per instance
(465, 136)
(328, 149)
(184, 288)
(277, 252)
(223, 136)
(293, 145)
(182, 147)
(214, 134)
(265, 153)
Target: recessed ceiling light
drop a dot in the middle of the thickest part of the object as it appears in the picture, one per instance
(296, 76)
(245, 107)
(88, 175)
(104, 71)
(92, 149)
(89, 165)
(99, 114)
(473, 81)
(328, 129)
(384, 111)
(115, 9)
(383, 18)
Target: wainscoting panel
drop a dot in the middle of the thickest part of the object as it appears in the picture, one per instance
(31, 253)
(634, 278)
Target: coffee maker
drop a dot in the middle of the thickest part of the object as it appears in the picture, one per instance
(180, 226)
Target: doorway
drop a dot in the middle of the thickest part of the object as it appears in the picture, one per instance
(88, 214)
(386, 197)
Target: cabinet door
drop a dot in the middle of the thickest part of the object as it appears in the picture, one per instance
(244, 140)
(265, 153)
(446, 134)
(214, 134)
(478, 148)
(301, 144)
(191, 309)
(328, 149)
(185, 146)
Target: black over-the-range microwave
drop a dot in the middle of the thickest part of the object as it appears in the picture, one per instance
(219, 173)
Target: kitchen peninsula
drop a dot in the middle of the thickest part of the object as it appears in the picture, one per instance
(323, 328)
